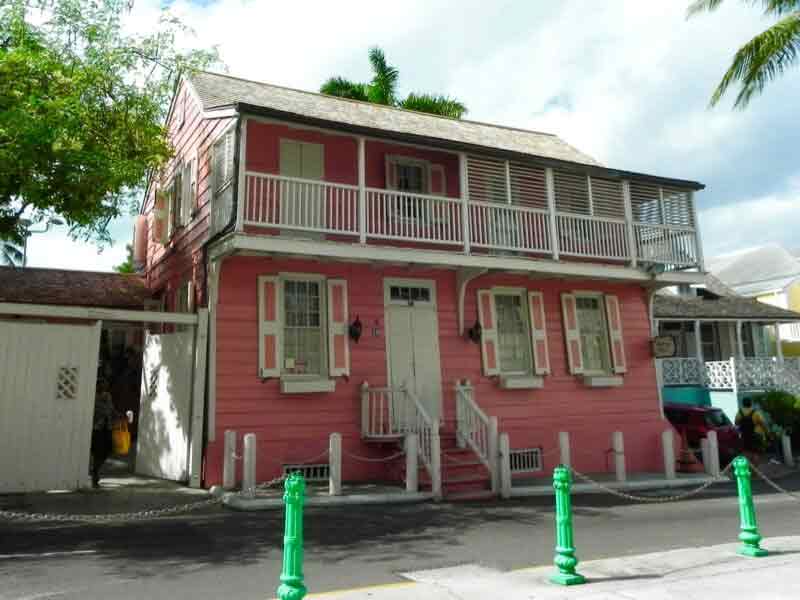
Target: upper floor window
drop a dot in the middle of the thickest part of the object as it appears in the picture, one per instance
(222, 162)
(407, 174)
(304, 160)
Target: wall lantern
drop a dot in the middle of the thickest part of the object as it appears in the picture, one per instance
(355, 329)
(474, 332)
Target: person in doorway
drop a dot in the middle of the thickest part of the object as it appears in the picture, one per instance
(752, 429)
(101, 429)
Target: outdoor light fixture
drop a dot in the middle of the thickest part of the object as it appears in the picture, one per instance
(474, 332)
(355, 329)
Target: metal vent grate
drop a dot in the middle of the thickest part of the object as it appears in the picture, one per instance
(319, 472)
(67, 383)
(526, 460)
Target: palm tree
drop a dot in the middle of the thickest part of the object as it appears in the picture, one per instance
(10, 254)
(763, 58)
(383, 90)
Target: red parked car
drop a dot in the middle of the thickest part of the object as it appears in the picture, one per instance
(697, 421)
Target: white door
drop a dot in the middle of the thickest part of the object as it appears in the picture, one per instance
(412, 340)
(162, 447)
(47, 385)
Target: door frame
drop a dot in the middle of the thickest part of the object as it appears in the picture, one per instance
(388, 282)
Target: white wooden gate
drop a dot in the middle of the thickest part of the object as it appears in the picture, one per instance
(162, 447)
(48, 375)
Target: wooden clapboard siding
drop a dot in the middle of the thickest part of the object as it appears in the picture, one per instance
(293, 427)
(181, 257)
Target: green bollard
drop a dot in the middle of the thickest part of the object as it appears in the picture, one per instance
(292, 587)
(749, 535)
(565, 559)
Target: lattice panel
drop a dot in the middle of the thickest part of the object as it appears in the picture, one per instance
(67, 383)
(719, 375)
(681, 371)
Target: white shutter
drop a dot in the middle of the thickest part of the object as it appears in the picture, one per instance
(290, 159)
(312, 161)
(488, 320)
(615, 333)
(541, 362)
(269, 326)
(193, 187)
(572, 333)
(338, 349)
(391, 172)
(161, 217)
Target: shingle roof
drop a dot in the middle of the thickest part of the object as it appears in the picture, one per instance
(72, 288)
(216, 90)
(665, 307)
(756, 270)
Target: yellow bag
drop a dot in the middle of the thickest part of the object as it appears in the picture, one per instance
(121, 438)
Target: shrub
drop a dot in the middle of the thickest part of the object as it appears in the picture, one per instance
(783, 409)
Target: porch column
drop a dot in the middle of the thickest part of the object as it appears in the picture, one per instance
(701, 263)
(464, 189)
(698, 342)
(739, 342)
(362, 192)
(551, 211)
(778, 346)
(629, 226)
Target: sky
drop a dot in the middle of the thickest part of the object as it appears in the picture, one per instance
(626, 81)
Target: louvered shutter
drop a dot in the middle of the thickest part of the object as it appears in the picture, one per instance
(572, 333)
(438, 186)
(488, 320)
(338, 349)
(269, 351)
(195, 174)
(541, 361)
(391, 173)
(190, 292)
(160, 217)
(615, 334)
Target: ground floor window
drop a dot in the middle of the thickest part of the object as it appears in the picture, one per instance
(513, 333)
(594, 334)
(303, 333)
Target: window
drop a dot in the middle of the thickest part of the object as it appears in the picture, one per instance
(709, 340)
(303, 342)
(410, 178)
(513, 333)
(302, 159)
(593, 334)
(222, 162)
(409, 294)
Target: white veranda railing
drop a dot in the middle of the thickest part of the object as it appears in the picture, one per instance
(388, 414)
(508, 227)
(768, 373)
(400, 215)
(592, 237)
(477, 430)
(670, 244)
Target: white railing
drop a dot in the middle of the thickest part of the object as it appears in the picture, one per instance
(477, 430)
(290, 203)
(668, 244)
(389, 414)
(301, 204)
(508, 227)
(681, 371)
(592, 237)
(397, 215)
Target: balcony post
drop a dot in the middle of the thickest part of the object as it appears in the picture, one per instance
(551, 211)
(739, 340)
(362, 191)
(464, 189)
(778, 345)
(701, 265)
(629, 225)
(698, 343)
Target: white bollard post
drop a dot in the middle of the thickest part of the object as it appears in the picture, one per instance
(618, 444)
(249, 465)
(412, 463)
(786, 444)
(563, 444)
(335, 464)
(713, 453)
(705, 452)
(505, 465)
(668, 448)
(229, 460)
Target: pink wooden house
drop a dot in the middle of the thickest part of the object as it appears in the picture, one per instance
(362, 263)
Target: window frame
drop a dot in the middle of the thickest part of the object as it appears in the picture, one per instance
(606, 337)
(521, 293)
(217, 188)
(321, 280)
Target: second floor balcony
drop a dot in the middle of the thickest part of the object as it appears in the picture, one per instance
(351, 189)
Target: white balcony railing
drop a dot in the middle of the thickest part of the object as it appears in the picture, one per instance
(737, 374)
(324, 207)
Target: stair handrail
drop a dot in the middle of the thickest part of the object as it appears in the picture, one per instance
(476, 429)
(429, 445)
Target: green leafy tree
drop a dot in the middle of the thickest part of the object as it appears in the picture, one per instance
(82, 107)
(764, 58)
(127, 266)
(383, 90)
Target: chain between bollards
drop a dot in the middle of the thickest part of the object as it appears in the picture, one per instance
(749, 535)
(292, 586)
(565, 559)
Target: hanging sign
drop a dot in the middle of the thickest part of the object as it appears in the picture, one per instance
(663, 346)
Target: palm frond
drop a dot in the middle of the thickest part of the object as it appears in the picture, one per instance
(437, 105)
(761, 60)
(771, 7)
(344, 88)
(384, 81)
(780, 7)
(701, 6)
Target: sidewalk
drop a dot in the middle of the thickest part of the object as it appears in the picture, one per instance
(714, 572)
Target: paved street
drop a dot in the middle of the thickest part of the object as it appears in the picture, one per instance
(237, 556)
